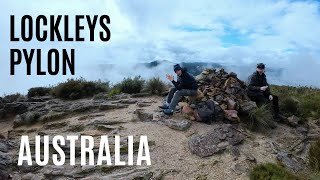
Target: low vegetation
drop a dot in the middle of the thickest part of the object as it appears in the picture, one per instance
(299, 101)
(314, 156)
(261, 118)
(12, 97)
(156, 86)
(39, 91)
(79, 88)
(131, 85)
(271, 171)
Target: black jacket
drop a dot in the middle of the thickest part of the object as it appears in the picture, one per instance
(185, 81)
(255, 82)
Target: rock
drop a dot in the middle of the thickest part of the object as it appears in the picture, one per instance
(5, 145)
(52, 115)
(247, 106)
(235, 152)
(290, 161)
(127, 101)
(15, 108)
(105, 128)
(26, 118)
(231, 104)
(82, 107)
(141, 115)
(231, 115)
(293, 121)
(143, 104)
(157, 116)
(108, 106)
(180, 125)
(239, 168)
(5, 161)
(140, 95)
(210, 143)
(187, 110)
(4, 175)
(56, 125)
(251, 158)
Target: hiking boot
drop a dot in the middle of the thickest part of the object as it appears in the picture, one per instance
(168, 111)
(165, 106)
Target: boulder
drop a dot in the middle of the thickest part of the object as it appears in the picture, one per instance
(215, 141)
(290, 161)
(231, 115)
(180, 125)
(247, 106)
(29, 117)
(142, 115)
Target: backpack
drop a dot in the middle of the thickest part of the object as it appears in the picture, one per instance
(206, 111)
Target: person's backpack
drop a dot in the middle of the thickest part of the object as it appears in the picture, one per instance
(206, 111)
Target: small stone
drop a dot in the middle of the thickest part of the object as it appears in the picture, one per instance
(180, 125)
(293, 121)
(251, 158)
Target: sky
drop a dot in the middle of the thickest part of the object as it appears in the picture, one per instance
(282, 34)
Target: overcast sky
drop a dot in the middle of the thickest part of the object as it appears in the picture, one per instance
(281, 34)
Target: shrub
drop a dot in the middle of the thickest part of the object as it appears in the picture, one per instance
(155, 86)
(79, 88)
(261, 118)
(290, 106)
(308, 98)
(38, 91)
(114, 91)
(131, 85)
(314, 156)
(271, 171)
(12, 97)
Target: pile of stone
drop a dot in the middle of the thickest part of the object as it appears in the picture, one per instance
(226, 90)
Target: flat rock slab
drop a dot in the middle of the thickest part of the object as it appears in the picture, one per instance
(180, 125)
(215, 141)
(290, 161)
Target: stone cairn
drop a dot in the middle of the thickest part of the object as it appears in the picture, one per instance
(226, 90)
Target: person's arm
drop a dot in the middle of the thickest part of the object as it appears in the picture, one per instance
(176, 84)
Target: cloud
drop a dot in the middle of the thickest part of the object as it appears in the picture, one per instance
(283, 34)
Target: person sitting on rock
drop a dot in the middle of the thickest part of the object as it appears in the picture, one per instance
(186, 85)
(259, 91)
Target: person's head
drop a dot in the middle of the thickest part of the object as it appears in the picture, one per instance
(177, 69)
(261, 68)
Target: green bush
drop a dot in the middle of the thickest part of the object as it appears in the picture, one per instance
(38, 91)
(79, 88)
(114, 91)
(261, 118)
(307, 100)
(271, 171)
(314, 156)
(155, 86)
(290, 106)
(12, 97)
(131, 85)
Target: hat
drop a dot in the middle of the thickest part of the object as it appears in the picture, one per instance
(177, 67)
(261, 66)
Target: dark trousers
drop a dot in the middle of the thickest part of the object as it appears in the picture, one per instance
(175, 95)
(264, 99)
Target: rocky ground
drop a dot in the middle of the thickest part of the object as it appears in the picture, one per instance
(179, 148)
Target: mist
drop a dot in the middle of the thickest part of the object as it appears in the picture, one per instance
(237, 38)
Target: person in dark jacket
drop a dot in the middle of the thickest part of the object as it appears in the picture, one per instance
(186, 85)
(259, 91)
